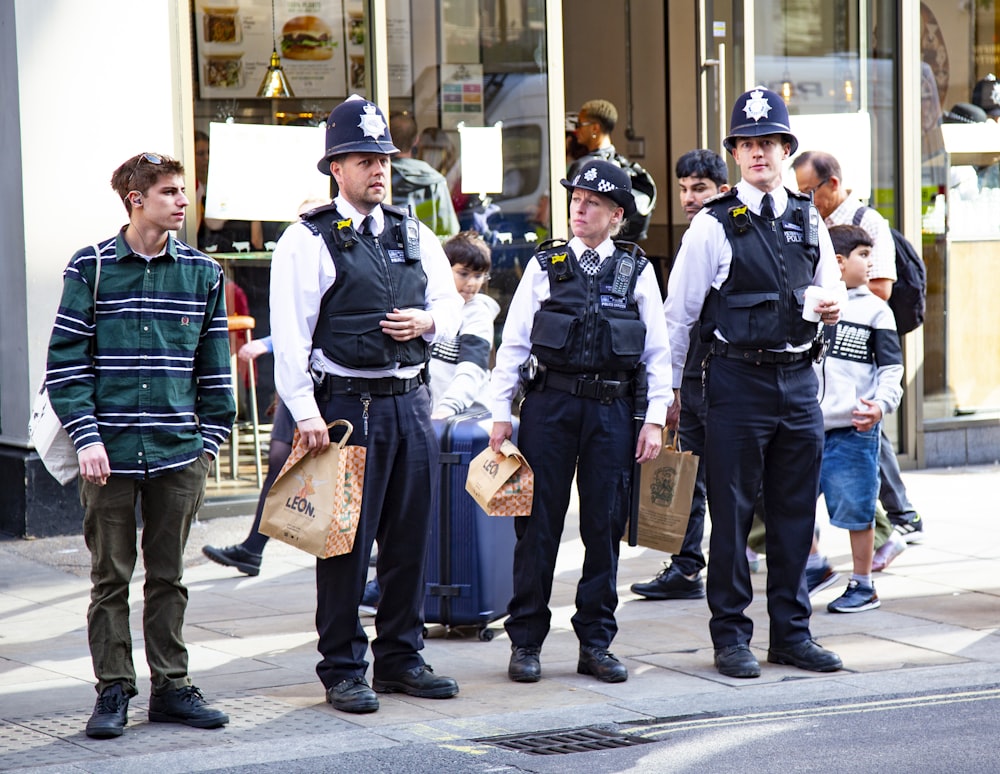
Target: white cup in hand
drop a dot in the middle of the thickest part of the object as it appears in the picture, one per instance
(814, 296)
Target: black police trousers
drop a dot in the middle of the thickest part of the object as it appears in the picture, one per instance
(765, 428)
(400, 479)
(562, 435)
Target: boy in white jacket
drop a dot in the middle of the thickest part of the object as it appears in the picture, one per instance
(860, 381)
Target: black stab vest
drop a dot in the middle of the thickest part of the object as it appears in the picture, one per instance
(373, 278)
(759, 306)
(584, 327)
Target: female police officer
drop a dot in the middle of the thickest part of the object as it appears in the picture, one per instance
(590, 312)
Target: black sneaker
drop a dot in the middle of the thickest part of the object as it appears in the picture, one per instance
(187, 706)
(670, 584)
(110, 714)
(235, 556)
(909, 527)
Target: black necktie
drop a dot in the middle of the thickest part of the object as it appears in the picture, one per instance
(767, 207)
(367, 224)
(590, 262)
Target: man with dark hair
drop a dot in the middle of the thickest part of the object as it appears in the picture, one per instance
(416, 182)
(594, 124)
(138, 372)
(359, 291)
(701, 174)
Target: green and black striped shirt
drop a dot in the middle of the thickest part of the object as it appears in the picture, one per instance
(148, 375)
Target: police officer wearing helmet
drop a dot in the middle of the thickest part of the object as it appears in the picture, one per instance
(742, 269)
(589, 312)
(358, 292)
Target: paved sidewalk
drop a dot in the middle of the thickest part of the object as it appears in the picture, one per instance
(252, 644)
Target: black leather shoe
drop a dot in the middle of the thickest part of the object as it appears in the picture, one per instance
(806, 655)
(419, 681)
(110, 713)
(670, 584)
(185, 705)
(524, 666)
(602, 665)
(352, 695)
(235, 556)
(736, 661)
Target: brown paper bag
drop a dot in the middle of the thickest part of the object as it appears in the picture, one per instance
(315, 502)
(666, 490)
(503, 484)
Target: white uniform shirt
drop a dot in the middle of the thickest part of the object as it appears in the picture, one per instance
(703, 263)
(533, 289)
(302, 270)
(883, 250)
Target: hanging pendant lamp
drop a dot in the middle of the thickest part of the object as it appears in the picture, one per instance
(274, 85)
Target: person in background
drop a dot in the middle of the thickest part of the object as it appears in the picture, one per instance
(459, 368)
(860, 381)
(748, 256)
(359, 291)
(417, 183)
(819, 174)
(701, 174)
(143, 389)
(577, 419)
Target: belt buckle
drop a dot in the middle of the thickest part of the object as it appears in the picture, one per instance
(607, 391)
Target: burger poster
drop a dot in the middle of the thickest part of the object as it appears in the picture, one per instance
(234, 44)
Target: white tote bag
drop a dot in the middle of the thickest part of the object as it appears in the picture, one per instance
(46, 432)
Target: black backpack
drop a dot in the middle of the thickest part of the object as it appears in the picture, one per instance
(644, 192)
(909, 292)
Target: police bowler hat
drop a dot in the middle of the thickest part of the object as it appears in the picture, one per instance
(607, 179)
(759, 112)
(355, 126)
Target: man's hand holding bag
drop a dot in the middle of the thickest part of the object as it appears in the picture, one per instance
(315, 502)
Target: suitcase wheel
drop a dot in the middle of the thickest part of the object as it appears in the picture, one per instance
(486, 634)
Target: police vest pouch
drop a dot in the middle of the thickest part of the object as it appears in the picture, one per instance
(503, 484)
(315, 502)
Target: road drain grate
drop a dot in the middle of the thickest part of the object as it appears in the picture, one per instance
(571, 740)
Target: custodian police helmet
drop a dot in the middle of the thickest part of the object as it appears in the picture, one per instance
(607, 179)
(355, 126)
(758, 112)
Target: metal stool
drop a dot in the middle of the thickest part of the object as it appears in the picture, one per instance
(241, 328)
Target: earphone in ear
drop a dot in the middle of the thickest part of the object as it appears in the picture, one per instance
(137, 201)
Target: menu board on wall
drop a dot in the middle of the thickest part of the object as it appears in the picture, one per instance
(234, 43)
(461, 95)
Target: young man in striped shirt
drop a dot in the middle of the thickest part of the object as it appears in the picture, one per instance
(138, 372)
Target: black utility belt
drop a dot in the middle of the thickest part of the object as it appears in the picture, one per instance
(353, 385)
(757, 356)
(587, 385)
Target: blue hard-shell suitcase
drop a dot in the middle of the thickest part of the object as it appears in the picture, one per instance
(470, 556)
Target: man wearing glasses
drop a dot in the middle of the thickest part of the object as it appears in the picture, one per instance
(819, 174)
(138, 372)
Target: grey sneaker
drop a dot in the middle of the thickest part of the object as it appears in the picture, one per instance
(856, 599)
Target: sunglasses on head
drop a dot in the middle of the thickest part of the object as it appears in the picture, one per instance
(152, 158)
